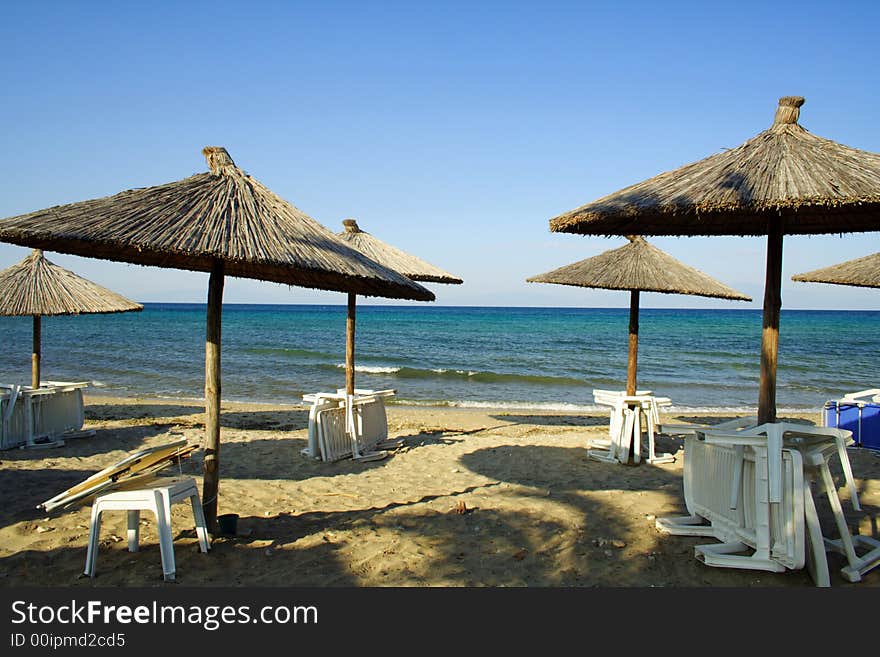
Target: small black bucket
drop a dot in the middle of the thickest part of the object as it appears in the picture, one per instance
(228, 524)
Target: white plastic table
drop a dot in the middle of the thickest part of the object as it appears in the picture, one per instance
(630, 416)
(156, 496)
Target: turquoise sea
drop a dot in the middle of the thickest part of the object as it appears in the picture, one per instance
(548, 358)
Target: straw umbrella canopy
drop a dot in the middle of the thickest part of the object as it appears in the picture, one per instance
(389, 256)
(784, 180)
(224, 222)
(38, 287)
(638, 266)
(861, 272)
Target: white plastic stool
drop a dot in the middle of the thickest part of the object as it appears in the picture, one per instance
(156, 496)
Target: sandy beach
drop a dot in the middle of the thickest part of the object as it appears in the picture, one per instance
(473, 497)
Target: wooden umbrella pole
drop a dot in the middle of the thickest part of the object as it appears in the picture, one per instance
(770, 333)
(349, 343)
(212, 396)
(35, 356)
(632, 364)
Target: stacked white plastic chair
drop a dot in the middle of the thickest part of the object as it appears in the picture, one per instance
(750, 487)
(320, 402)
(43, 416)
(727, 493)
(630, 417)
(343, 426)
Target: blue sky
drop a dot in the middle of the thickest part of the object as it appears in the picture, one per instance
(453, 130)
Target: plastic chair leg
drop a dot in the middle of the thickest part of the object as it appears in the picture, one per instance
(312, 449)
(134, 520)
(350, 426)
(816, 558)
(736, 484)
(846, 544)
(774, 463)
(845, 537)
(854, 571)
(94, 533)
(653, 456)
(199, 517)
(725, 555)
(610, 450)
(847, 470)
(762, 506)
(166, 546)
(625, 436)
(636, 436)
(615, 423)
(685, 526)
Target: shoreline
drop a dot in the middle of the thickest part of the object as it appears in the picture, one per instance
(499, 407)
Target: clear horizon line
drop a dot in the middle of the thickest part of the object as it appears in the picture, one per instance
(435, 305)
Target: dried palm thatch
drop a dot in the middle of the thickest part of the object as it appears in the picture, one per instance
(389, 256)
(860, 272)
(38, 287)
(638, 266)
(223, 222)
(222, 215)
(782, 181)
(813, 185)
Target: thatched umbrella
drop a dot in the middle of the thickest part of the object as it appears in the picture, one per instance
(223, 222)
(784, 180)
(638, 266)
(389, 256)
(38, 287)
(860, 272)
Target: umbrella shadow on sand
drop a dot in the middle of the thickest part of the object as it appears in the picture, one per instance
(25, 489)
(563, 469)
(496, 535)
(568, 478)
(97, 412)
(450, 543)
(431, 437)
(106, 439)
(717, 419)
(281, 457)
(226, 562)
(555, 420)
(276, 420)
(267, 551)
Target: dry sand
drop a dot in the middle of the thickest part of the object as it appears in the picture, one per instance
(538, 512)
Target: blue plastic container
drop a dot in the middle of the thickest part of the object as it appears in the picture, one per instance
(862, 418)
